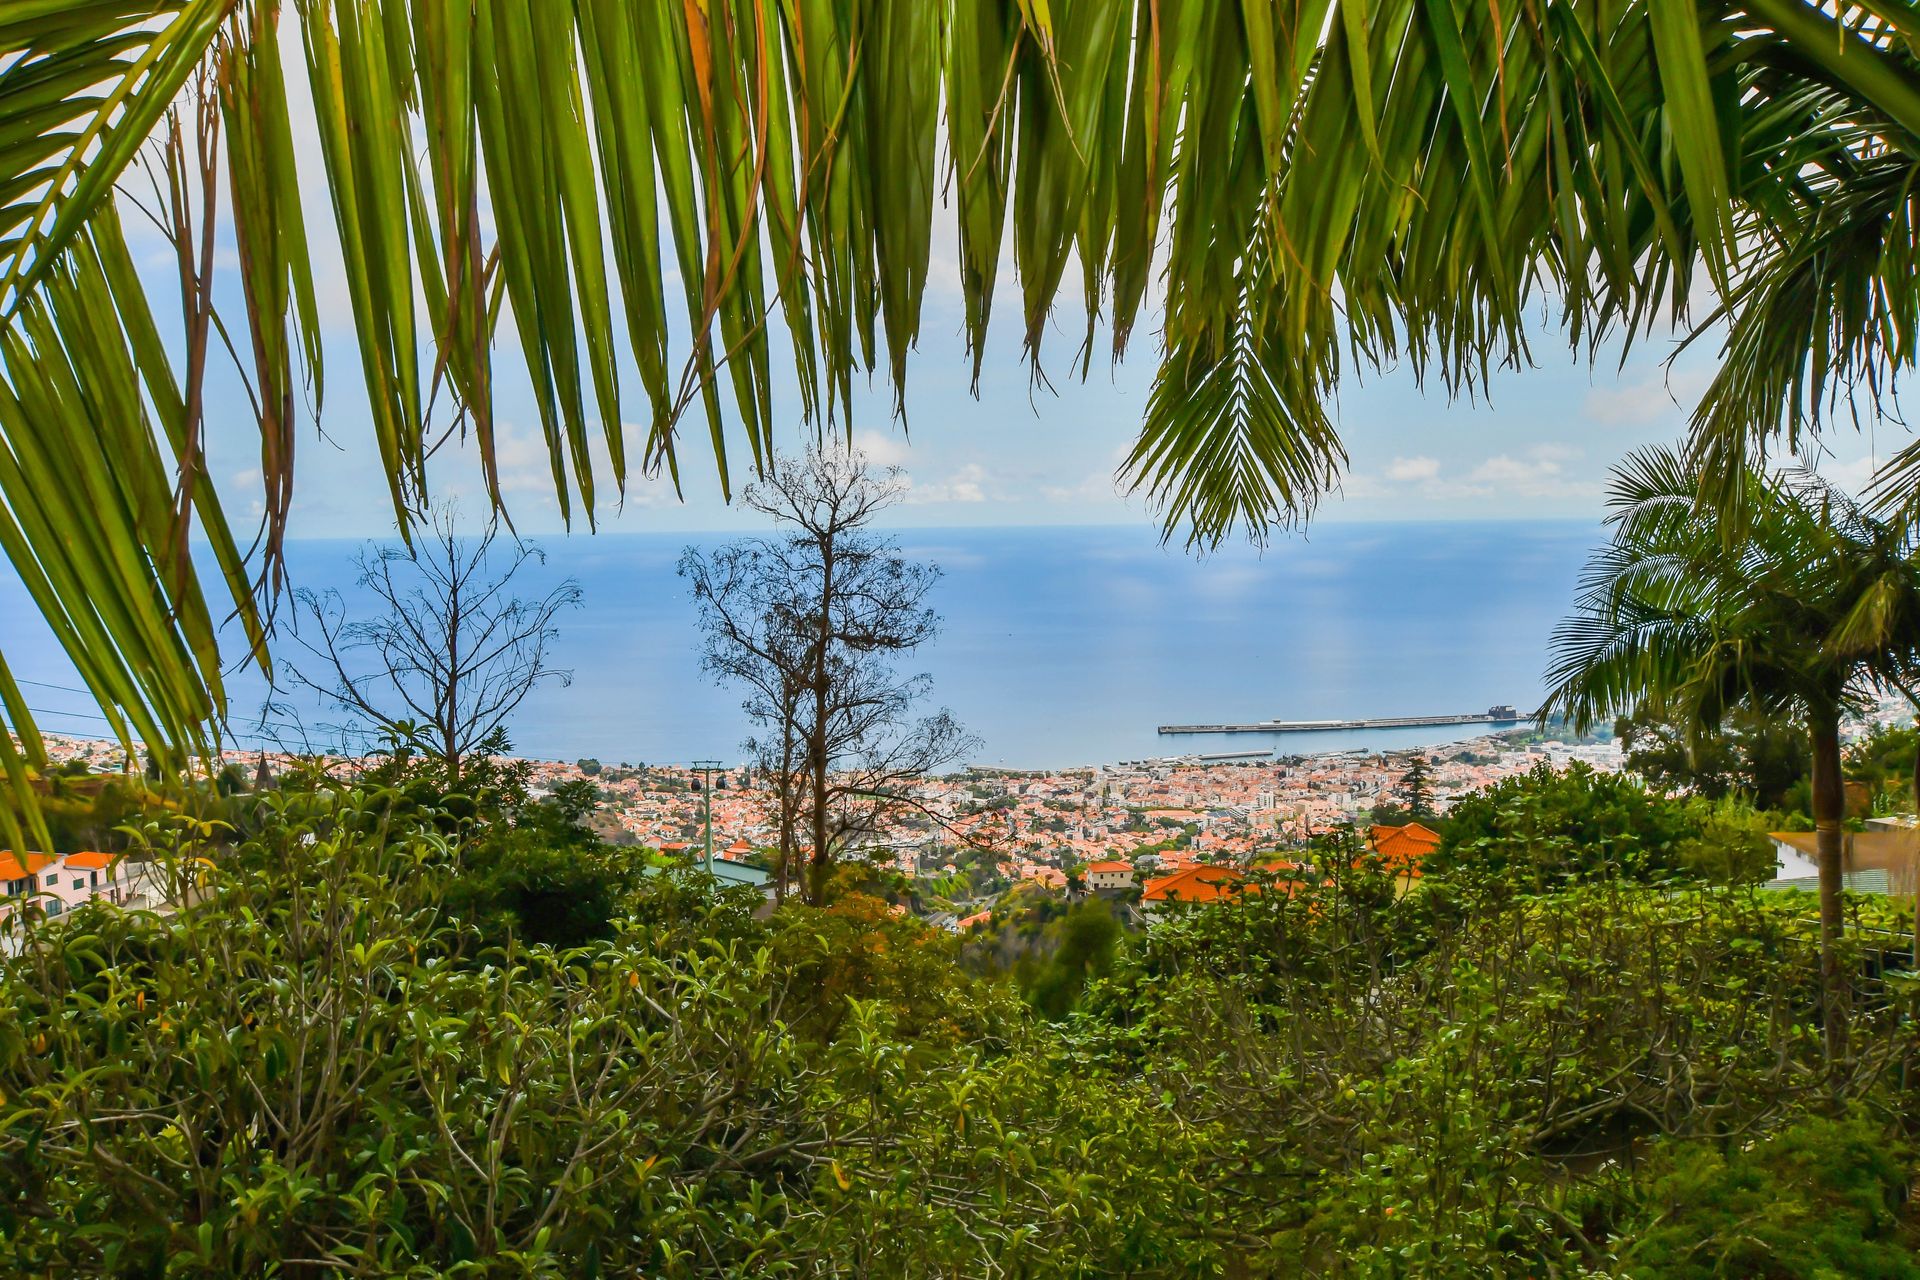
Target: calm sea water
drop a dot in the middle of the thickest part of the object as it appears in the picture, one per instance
(1061, 646)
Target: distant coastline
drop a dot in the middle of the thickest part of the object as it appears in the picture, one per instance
(1060, 644)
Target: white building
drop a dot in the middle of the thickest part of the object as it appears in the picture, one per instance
(57, 883)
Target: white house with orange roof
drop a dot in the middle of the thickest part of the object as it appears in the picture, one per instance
(1109, 876)
(57, 883)
(20, 878)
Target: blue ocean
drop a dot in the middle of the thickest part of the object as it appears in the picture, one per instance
(1060, 646)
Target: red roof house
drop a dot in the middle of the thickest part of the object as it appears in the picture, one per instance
(1403, 849)
(1201, 883)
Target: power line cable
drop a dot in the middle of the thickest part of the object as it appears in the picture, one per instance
(63, 688)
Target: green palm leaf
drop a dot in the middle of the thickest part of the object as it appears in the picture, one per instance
(1318, 192)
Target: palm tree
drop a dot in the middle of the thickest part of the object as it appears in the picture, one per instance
(1373, 180)
(1694, 609)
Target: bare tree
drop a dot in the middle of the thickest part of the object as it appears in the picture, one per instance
(811, 620)
(753, 611)
(451, 651)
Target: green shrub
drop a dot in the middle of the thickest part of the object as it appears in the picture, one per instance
(1550, 827)
(1818, 1200)
(315, 1060)
(1083, 945)
(327, 1063)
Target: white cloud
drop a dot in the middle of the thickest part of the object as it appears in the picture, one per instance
(1657, 395)
(882, 450)
(519, 452)
(1402, 470)
(1540, 472)
(1096, 486)
(1361, 486)
(968, 484)
(943, 274)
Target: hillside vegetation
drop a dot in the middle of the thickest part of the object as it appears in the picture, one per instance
(347, 1058)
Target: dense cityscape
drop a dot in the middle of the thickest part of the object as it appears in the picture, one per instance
(1028, 825)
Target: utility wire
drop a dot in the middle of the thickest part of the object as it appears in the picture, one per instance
(63, 688)
(238, 735)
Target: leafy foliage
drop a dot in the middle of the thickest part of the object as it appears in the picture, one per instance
(1548, 827)
(535, 873)
(1819, 1198)
(318, 1063)
(1885, 759)
(1453, 1084)
(83, 810)
(1763, 757)
(1085, 943)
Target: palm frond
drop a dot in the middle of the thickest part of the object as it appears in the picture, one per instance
(1820, 325)
(1811, 599)
(1328, 191)
(82, 85)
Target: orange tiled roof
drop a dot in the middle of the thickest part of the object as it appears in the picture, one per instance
(1404, 848)
(91, 861)
(1101, 868)
(11, 867)
(1204, 883)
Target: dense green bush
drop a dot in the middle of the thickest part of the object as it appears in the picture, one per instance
(317, 1069)
(534, 871)
(1761, 757)
(329, 1063)
(1083, 945)
(1549, 827)
(1408, 1084)
(1818, 1200)
(1552, 827)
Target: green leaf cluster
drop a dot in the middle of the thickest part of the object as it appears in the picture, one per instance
(319, 1056)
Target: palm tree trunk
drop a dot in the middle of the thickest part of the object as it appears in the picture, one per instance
(1829, 811)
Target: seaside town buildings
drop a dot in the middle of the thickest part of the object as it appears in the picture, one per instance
(1115, 826)
(1138, 826)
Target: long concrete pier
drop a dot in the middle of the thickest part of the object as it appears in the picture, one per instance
(1493, 715)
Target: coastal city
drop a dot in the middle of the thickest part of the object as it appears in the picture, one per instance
(1043, 824)
(959, 639)
(1004, 826)
(973, 834)
(970, 835)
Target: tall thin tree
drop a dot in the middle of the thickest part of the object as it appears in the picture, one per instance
(812, 621)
